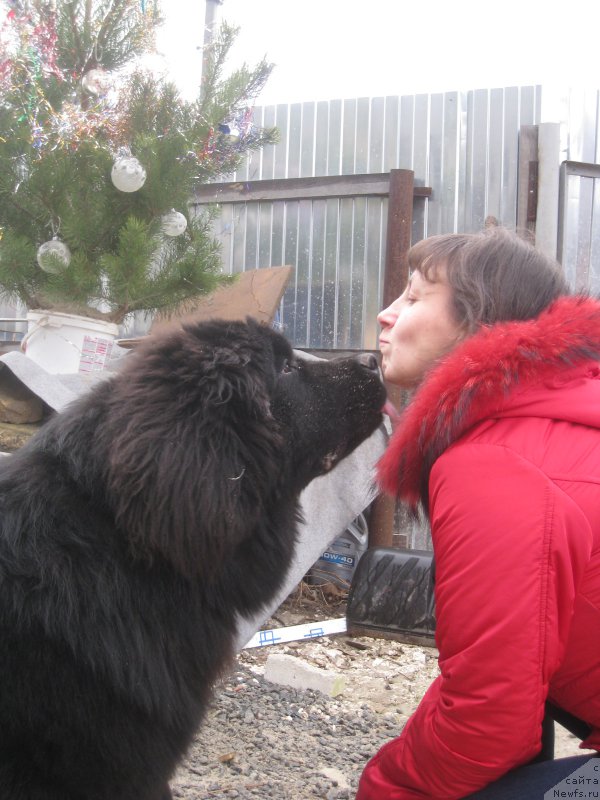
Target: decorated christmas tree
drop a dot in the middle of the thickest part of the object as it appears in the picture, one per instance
(99, 159)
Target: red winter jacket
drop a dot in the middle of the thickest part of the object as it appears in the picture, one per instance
(502, 444)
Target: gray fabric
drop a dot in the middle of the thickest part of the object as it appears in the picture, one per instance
(47, 387)
(56, 390)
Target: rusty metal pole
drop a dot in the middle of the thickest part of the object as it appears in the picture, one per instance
(399, 233)
(399, 237)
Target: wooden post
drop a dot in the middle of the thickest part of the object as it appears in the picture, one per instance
(399, 237)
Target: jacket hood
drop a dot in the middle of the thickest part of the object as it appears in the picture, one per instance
(495, 372)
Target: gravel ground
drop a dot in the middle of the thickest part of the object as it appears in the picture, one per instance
(262, 740)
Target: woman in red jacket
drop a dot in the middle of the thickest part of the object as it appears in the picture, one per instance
(500, 445)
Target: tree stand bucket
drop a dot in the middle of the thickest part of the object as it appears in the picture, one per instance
(66, 343)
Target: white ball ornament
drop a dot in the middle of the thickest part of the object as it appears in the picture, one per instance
(53, 248)
(173, 223)
(96, 82)
(127, 174)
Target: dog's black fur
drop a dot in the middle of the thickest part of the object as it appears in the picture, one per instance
(134, 528)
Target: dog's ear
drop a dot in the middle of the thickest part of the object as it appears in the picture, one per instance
(194, 460)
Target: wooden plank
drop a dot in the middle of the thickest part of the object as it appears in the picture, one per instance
(370, 185)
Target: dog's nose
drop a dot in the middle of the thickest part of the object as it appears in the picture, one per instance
(369, 361)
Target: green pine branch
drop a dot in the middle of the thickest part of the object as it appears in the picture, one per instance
(58, 145)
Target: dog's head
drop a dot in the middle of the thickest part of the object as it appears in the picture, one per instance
(216, 422)
(325, 409)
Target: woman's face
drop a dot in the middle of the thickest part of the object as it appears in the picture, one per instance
(417, 329)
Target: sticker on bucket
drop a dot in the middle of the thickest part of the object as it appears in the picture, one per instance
(95, 353)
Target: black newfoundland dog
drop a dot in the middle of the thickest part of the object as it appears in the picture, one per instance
(135, 526)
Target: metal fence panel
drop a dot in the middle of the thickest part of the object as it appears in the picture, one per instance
(579, 225)
(594, 274)
(321, 139)
(295, 142)
(463, 145)
(317, 274)
(579, 215)
(582, 125)
(510, 154)
(433, 209)
(391, 138)
(375, 162)
(477, 177)
(331, 281)
(333, 141)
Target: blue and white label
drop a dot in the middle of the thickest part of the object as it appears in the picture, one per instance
(338, 558)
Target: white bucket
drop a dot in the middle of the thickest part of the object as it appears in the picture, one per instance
(337, 564)
(66, 343)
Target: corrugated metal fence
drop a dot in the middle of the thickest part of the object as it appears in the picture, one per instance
(579, 224)
(463, 145)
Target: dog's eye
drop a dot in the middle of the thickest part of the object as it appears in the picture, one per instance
(287, 366)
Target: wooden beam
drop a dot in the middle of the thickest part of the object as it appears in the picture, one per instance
(369, 185)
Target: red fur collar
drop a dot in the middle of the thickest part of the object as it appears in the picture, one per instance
(472, 381)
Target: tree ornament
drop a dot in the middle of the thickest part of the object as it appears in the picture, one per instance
(96, 81)
(127, 174)
(53, 248)
(174, 223)
(230, 132)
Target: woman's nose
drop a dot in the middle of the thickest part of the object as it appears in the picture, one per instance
(387, 317)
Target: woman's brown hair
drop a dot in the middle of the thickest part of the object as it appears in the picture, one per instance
(494, 275)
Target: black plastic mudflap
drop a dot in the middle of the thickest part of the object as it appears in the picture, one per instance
(391, 596)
